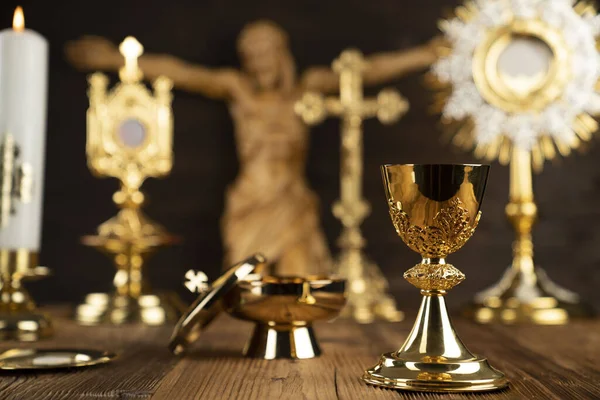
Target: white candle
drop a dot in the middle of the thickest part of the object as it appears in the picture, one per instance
(23, 87)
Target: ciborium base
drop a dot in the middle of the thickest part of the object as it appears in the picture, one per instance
(282, 341)
(25, 325)
(433, 358)
(113, 309)
(527, 298)
(283, 310)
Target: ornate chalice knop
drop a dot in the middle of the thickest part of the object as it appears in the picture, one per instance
(435, 210)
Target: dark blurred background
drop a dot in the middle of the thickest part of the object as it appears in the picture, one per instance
(190, 201)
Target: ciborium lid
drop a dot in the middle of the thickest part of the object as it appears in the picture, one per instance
(202, 312)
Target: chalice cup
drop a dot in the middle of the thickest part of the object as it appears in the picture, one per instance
(435, 210)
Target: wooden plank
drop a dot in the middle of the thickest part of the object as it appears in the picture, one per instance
(334, 375)
(143, 360)
(541, 362)
(564, 358)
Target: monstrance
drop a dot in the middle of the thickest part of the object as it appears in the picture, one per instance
(366, 285)
(517, 82)
(129, 137)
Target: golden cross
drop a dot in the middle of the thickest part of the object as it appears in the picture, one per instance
(366, 284)
(131, 50)
(353, 108)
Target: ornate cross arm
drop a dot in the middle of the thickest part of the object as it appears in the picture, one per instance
(378, 68)
(388, 107)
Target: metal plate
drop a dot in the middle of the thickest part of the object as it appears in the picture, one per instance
(36, 359)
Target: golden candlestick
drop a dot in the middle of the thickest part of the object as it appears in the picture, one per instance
(130, 133)
(19, 316)
(435, 210)
(366, 288)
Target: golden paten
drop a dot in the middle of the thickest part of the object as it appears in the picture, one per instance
(130, 133)
(435, 210)
(52, 359)
(367, 287)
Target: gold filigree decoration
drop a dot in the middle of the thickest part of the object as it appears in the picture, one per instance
(434, 276)
(450, 230)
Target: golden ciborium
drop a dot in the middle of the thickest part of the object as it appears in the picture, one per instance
(283, 310)
(435, 210)
(130, 132)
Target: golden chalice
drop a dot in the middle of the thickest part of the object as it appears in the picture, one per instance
(435, 210)
(283, 309)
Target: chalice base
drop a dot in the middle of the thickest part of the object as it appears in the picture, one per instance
(434, 359)
(527, 298)
(25, 325)
(282, 341)
(366, 291)
(472, 375)
(114, 309)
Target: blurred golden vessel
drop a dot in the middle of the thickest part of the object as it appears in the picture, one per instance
(283, 310)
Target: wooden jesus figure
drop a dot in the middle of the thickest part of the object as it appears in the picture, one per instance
(269, 207)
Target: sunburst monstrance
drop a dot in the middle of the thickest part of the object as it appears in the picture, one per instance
(519, 81)
(520, 73)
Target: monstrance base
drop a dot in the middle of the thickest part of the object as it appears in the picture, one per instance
(25, 325)
(113, 309)
(282, 341)
(471, 375)
(367, 299)
(519, 298)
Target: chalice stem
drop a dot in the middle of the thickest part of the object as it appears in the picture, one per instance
(433, 338)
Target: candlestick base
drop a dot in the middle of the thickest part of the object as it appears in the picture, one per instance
(129, 239)
(25, 326)
(148, 309)
(19, 317)
(521, 297)
(367, 297)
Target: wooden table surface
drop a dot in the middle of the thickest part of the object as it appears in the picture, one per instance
(560, 362)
